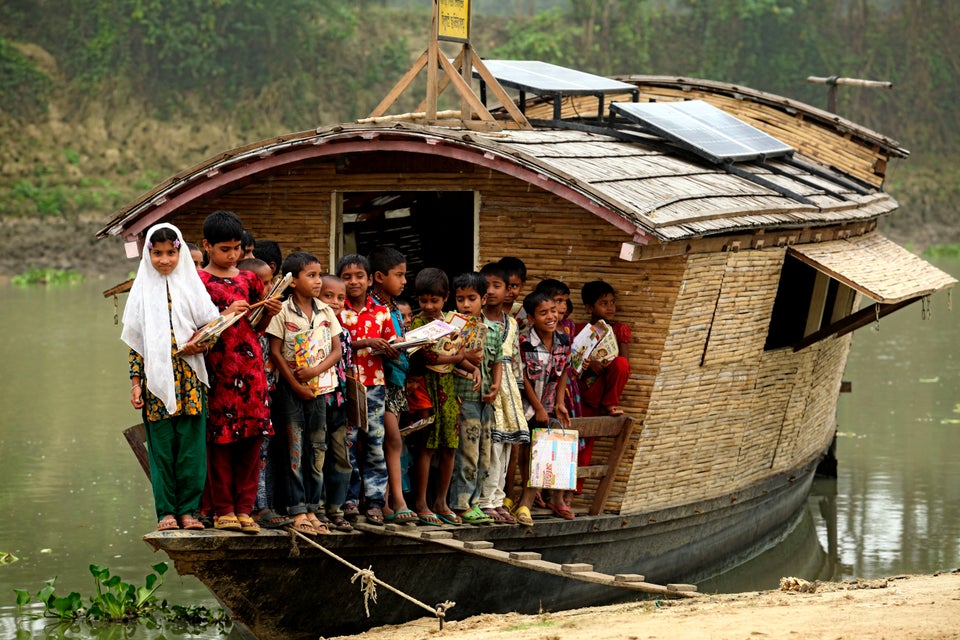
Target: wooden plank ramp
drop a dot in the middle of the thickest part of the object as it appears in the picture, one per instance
(531, 560)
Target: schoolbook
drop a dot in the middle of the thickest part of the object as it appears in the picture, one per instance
(594, 341)
(208, 333)
(427, 334)
(279, 286)
(310, 348)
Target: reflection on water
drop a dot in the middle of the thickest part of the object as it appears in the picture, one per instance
(74, 494)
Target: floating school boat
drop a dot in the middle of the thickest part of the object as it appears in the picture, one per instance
(739, 230)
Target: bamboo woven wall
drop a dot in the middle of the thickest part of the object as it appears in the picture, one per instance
(744, 413)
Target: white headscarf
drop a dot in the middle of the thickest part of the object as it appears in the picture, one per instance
(146, 321)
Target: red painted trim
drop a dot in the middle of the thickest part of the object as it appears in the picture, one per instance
(422, 143)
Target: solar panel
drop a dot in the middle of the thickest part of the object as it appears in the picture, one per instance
(545, 78)
(704, 129)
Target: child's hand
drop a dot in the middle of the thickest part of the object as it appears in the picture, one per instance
(273, 306)
(540, 416)
(474, 356)
(477, 379)
(305, 373)
(595, 366)
(136, 397)
(563, 415)
(304, 393)
(237, 306)
(490, 397)
(192, 348)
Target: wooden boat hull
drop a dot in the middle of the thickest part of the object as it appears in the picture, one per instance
(279, 587)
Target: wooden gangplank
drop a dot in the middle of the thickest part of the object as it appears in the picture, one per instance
(531, 560)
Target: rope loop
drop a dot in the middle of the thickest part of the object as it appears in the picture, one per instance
(368, 586)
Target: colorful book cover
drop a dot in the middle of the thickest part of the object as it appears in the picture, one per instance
(553, 458)
(310, 348)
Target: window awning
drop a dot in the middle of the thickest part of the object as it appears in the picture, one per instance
(876, 267)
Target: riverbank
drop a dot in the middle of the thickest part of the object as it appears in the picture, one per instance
(916, 607)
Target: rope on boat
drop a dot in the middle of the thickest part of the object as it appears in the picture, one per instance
(369, 582)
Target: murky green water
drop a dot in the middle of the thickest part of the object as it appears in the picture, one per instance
(73, 493)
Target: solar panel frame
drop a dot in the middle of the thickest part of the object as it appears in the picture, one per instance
(705, 130)
(543, 78)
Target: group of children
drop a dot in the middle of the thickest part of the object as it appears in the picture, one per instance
(244, 431)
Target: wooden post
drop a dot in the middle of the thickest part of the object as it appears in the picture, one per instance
(833, 82)
(433, 55)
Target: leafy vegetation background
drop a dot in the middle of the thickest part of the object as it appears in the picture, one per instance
(101, 99)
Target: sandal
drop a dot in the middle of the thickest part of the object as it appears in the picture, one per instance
(270, 519)
(375, 516)
(401, 517)
(523, 516)
(449, 517)
(493, 515)
(506, 516)
(248, 524)
(350, 511)
(509, 505)
(302, 525)
(226, 523)
(561, 511)
(430, 519)
(167, 523)
(475, 516)
(539, 502)
(319, 523)
(187, 521)
(340, 523)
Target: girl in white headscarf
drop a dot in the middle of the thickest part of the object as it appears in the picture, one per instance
(167, 304)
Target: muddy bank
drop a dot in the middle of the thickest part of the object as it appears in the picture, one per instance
(60, 243)
(902, 607)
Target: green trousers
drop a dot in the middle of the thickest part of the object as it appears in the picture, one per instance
(177, 448)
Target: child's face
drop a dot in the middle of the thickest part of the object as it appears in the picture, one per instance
(309, 282)
(356, 280)
(333, 293)
(393, 281)
(514, 285)
(197, 256)
(265, 273)
(224, 255)
(545, 317)
(248, 252)
(563, 304)
(431, 305)
(164, 257)
(604, 308)
(406, 312)
(469, 302)
(496, 290)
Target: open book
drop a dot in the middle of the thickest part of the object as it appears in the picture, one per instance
(594, 341)
(209, 332)
(427, 334)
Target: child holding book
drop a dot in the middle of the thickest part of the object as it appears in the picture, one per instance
(304, 347)
(510, 426)
(603, 381)
(167, 304)
(371, 331)
(336, 467)
(239, 415)
(545, 356)
(442, 437)
(476, 419)
(389, 268)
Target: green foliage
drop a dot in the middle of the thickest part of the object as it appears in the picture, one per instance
(937, 252)
(24, 91)
(120, 602)
(47, 275)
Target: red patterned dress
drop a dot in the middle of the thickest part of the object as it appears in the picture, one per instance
(239, 396)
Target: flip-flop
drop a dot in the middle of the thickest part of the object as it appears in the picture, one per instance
(562, 511)
(523, 516)
(270, 519)
(374, 516)
(450, 517)
(248, 524)
(350, 511)
(226, 523)
(506, 515)
(494, 515)
(303, 526)
(340, 523)
(167, 523)
(401, 517)
(187, 521)
(475, 516)
(430, 519)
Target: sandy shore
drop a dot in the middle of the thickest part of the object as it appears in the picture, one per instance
(902, 607)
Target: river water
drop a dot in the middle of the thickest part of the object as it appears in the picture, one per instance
(73, 494)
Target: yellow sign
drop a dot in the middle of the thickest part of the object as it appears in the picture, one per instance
(454, 20)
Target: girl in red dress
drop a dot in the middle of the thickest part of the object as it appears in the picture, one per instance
(239, 415)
